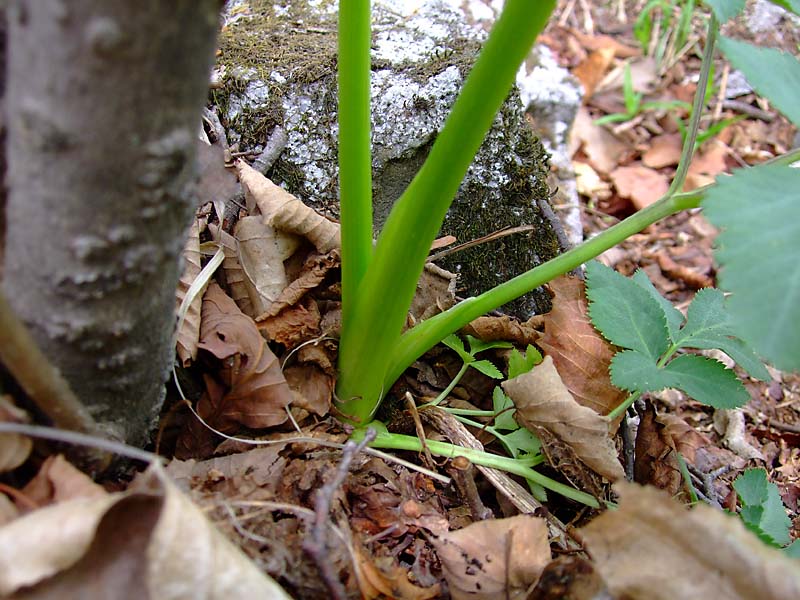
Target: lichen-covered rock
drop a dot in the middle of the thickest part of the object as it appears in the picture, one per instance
(279, 61)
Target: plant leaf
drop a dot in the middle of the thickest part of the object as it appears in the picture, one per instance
(707, 381)
(780, 82)
(503, 406)
(636, 372)
(487, 368)
(758, 211)
(455, 343)
(725, 9)
(762, 508)
(519, 362)
(625, 314)
(520, 441)
(476, 345)
(673, 315)
(708, 326)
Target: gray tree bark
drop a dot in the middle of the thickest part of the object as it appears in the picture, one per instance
(102, 106)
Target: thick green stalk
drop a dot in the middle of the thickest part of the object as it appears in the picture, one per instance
(355, 163)
(374, 320)
(415, 342)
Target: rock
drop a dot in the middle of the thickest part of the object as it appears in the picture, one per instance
(279, 69)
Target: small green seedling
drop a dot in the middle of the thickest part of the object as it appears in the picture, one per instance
(631, 314)
(663, 27)
(763, 512)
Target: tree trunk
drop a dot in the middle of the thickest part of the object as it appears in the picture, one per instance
(103, 99)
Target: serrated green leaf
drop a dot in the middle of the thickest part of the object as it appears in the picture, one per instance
(503, 406)
(775, 523)
(476, 345)
(772, 73)
(520, 363)
(520, 441)
(751, 487)
(725, 9)
(455, 343)
(758, 211)
(487, 368)
(708, 326)
(791, 5)
(673, 315)
(636, 372)
(762, 509)
(707, 381)
(625, 314)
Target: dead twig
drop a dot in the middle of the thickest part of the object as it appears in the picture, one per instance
(464, 477)
(316, 544)
(481, 240)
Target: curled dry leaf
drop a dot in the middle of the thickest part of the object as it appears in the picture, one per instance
(642, 185)
(490, 329)
(603, 150)
(388, 580)
(232, 269)
(294, 324)
(148, 542)
(652, 548)
(656, 462)
(312, 386)
(581, 355)
(544, 403)
(262, 262)
(498, 558)
(435, 293)
(314, 271)
(14, 448)
(189, 333)
(570, 577)
(58, 481)
(287, 213)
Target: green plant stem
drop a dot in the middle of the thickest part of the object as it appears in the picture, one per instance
(396, 441)
(619, 410)
(687, 478)
(467, 412)
(374, 318)
(415, 342)
(449, 388)
(355, 163)
(697, 110)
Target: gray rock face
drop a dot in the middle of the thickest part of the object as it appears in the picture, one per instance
(279, 62)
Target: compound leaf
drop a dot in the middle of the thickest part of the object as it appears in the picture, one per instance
(636, 372)
(625, 313)
(758, 211)
(504, 407)
(455, 343)
(520, 441)
(762, 508)
(707, 381)
(772, 73)
(673, 315)
(487, 368)
(522, 362)
(476, 345)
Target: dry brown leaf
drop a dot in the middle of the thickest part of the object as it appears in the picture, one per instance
(435, 293)
(285, 212)
(656, 462)
(599, 41)
(544, 403)
(262, 262)
(8, 512)
(497, 558)
(490, 329)
(58, 481)
(314, 271)
(664, 151)
(707, 164)
(652, 548)
(588, 182)
(592, 69)
(189, 333)
(388, 580)
(602, 149)
(294, 324)
(149, 542)
(572, 578)
(232, 269)
(642, 185)
(14, 448)
(688, 441)
(581, 355)
(217, 182)
(313, 387)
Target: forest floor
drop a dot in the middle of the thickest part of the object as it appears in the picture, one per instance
(326, 523)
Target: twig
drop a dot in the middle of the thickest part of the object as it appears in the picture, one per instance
(481, 240)
(783, 426)
(211, 116)
(464, 477)
(316, 545)
(628, 447)
(272, 150)
(744, 107)
(412, 409)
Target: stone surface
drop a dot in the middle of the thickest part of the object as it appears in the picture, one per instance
(279, 63)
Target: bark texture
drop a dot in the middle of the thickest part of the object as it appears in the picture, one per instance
(103, 99)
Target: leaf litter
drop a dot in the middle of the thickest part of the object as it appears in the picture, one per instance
(399, 533)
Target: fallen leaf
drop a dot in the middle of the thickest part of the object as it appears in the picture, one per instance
(313, 388)
(314, 271)
(497, 558)
(581, 355)
(652, 548)
(600, 41)
(384, 579)
(588, 182)
(503, 328)
(678, 272)
(217, 182)
(656, 462)
(261, 259)
(706, 164)
(58, 481)
(603, 150)
(294, 324)
(148, 542)
(664, 151)
(8, 512)
(642, 185)
(14, 448)
(232, 269)
(436, 292)
(570, 577)
(544, 403)
(592, 69)
(189, 334)
(283, 211)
